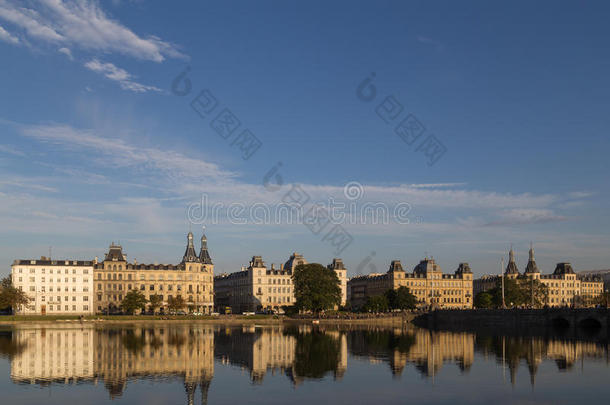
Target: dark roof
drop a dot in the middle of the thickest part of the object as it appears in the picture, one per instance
(463, 268)
(115, 253)
(294, 260)
(257, 261)
(190, 255)
(46, 262)
(395, 265)
(426, 265)
(204, 255)
(563, 268)
(531, 267)
(337, 264)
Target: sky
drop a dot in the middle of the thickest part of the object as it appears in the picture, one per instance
(434, 128)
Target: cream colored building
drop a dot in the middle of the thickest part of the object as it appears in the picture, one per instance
(192, 279)
(257, 288)
(54, 286)
(69, 354)
(58, 353)
(565, 287)
(427, 282)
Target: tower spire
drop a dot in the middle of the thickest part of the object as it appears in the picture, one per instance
(531, 267)
(189, 254)
(204, 255)
(511, 267)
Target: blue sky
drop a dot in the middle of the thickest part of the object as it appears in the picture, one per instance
(97, 148)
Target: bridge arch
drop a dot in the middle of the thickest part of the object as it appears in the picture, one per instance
(590, 323)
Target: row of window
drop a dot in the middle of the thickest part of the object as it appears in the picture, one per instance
(119, 297)
(57, 280)
(151, 287)
(58, 271)
(44, 289)
(119, 277)
(66, 298)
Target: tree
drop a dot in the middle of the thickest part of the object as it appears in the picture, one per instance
(603, 299)
(176, 304)
(401, 298)
(155, 302)
(316, 287)
(519, 292)
(376, 303)
(11, 297)
(483, 300)
(133, 300)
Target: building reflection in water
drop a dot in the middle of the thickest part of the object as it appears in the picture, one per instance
(115, 355)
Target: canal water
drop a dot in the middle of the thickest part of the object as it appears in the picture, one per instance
(198, 364)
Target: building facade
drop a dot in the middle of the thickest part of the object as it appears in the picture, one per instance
(258, 288)
(427, 282)
(192, 279)
(54, 286)
(565, 287)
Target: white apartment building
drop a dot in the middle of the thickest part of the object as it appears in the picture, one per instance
(54, 286)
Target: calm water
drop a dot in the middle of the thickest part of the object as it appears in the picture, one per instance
(178, 364)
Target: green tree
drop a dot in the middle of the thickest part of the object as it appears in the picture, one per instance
(403, 299)
(133, 300)
(155, 302)
(519, 292)
(176, 303)
(483, 300)
(316, 288)
(316, 354)
(603, 299)
(377, 303)
(11, 297)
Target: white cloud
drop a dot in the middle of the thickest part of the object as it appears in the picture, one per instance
(11, 151)
(66, 52)
(436, 185)
(83, 24)
(119, 75)
(119, 153)
(7, 37)
(521, 216)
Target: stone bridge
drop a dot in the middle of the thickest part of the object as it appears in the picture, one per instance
(521, 320)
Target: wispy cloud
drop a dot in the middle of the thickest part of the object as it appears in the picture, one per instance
(429, 41)
(7, 37)
(67, 52)
(119, 153)
(85, 25)
(436, 185)
(523, 216)
(11, 151)
(121, 76)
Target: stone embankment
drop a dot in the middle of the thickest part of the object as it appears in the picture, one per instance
(521, 322)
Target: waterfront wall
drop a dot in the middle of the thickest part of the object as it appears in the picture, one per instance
(520, 321)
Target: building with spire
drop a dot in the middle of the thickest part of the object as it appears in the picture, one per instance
(564, 286)
(192, 279)
(511, 268)
(427, 282)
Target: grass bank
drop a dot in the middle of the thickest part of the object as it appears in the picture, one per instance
(222, 319)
